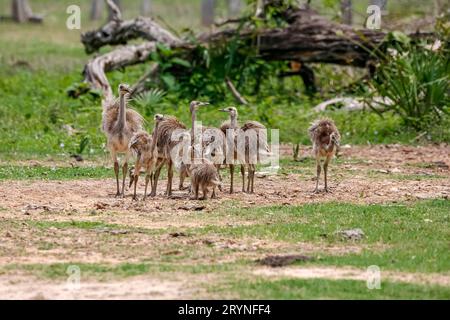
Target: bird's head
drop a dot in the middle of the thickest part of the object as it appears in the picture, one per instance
(158, 117)
(124, 89)
(197, 104)
(231, 110)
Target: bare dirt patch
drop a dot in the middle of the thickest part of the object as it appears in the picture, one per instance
(20, 287)
(379, 174)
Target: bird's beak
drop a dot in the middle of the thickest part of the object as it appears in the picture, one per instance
(223, 110)
(203, 104)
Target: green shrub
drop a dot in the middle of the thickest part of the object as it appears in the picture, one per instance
(415, 81)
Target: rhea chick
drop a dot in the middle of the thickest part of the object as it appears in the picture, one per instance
(325, 138)
(144, 146)
(203, 176)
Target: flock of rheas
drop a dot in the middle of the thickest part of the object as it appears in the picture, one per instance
(173, 145)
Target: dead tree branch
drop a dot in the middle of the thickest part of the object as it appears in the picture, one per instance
(120, 32)
(239, 98)
(96, 68)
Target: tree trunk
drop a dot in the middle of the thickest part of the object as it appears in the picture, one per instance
(97, 9)
(146, 7)
(346, 12)
(21, 12)
(208, 7)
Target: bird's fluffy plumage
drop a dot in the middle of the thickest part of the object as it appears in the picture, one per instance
(111, 113)
(321, 132)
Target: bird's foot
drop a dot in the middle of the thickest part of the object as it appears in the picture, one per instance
(327, 190)
(316, 191)
(135, 198)
(118, 194)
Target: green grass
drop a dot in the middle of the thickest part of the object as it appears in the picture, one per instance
(411, 237)
(88, 225)
(329, 289)
(53, 173)
(122, 270)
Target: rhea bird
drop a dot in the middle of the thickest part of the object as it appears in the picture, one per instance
(120, 123)
(212, 142)
(203, 175)
(249, 129)
(165, 145)
(325, 138)
(144, 146)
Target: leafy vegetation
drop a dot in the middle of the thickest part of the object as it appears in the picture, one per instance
(415, 80)
(330, 289)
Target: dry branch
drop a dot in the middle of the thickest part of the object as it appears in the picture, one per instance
(94, 71)
(120, 32)
(308, 38)
(239, 98)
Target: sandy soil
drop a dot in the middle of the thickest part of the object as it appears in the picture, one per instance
(377, 174)
(22, 287)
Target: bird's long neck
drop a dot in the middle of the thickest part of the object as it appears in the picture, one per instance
(122, 112)
(233, 121)
(193, 120)
(154, 138)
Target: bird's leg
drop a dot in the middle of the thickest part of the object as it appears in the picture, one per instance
(135, 178)
(220, 177)
(169, 178)
(214, 196)
(253, 178)
(205, 193)
(232, 177)
(249, 177)
(194, 187)
(151, 180)
(325, 172)
(243, 177)
(159, 165)
(148, 178)
(116, 171)
(183, 175)
(319, 168)
(124, 172)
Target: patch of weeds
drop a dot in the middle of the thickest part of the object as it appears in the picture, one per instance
(56, 173)
(327, 289)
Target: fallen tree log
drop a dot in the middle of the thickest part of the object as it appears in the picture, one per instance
(120, 32)
(307, 38)
(94, 71)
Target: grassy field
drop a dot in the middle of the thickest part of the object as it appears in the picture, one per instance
(56, 212)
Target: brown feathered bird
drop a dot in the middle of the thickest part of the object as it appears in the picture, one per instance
(164, 146)
(325, 138)
(144, 146)
(249, 156)
(203, 175)
(119, 124)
